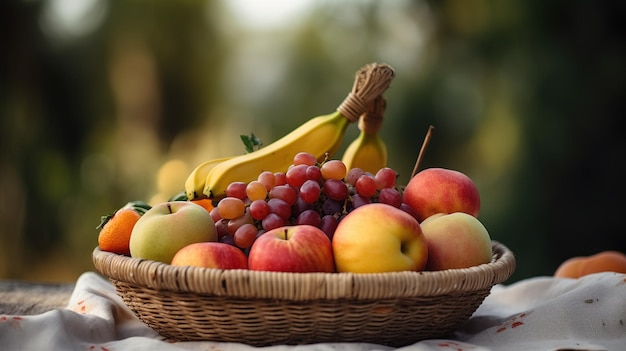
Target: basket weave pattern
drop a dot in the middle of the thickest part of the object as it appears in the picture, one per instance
(268, 308)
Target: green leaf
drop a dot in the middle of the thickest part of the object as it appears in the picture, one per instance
(251, 142)
(182, 196)
(139, 206)
(104, 219)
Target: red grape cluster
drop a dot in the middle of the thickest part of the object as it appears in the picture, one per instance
(307, 193)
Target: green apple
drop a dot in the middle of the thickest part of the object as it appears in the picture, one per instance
(456, 240)
(441, 190)
(211, 255)
(377, 238)
(168, 227)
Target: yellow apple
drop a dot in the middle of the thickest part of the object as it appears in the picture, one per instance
(377, 238)
(440, 190)
(168, 227)
(456, 240)
(211, 255)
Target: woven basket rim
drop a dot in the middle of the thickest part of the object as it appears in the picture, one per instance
(248, 284)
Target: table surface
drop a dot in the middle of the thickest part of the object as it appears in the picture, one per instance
(29, 298)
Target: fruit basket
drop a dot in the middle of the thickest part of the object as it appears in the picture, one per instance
(269, 308)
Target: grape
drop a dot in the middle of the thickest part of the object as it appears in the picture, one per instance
(227, 239)
(353, 175)
(231, 207)
(235, 223)
(279, 207)
(333, 169)
(215, 214)
(313, 173)
(304, 158)
(300, 206)
(385, 178)
(390, 196)
(245, 235)
(310, 217)
(247, 202)
(335, 189)
(366, 186)
(328, 224)
(359, 200)
(259, 209)
(221, 228)
(236, 189)
(285, 193)
(310, 191)
(268, 179)
(332, 207)
(408, 209)
(256, 190)
(296, 175)
(272, 221)
(281, 178)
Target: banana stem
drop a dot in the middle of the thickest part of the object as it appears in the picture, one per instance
(369, 83)
(372, 120)
(420, 156)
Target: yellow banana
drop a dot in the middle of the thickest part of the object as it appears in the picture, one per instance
(319, 136)
(194, 185)
(368, 151)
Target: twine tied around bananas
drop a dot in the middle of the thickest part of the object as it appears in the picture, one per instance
(371, 121)
(369, 83)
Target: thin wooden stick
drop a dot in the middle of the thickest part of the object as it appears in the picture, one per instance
(420, 156)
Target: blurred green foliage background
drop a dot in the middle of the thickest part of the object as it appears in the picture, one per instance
(104, 102)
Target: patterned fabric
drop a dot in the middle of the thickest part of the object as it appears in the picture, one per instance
(541, 313)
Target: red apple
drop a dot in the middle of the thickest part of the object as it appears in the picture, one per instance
(456, 240)
(376, 238)
(211, 255)
(168, 227)
(440, 190)
(299, 248)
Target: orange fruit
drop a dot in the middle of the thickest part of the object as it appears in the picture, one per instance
(605, 261)
(115, 230)
(206, 203)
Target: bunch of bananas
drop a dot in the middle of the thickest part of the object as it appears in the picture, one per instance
(320, 136)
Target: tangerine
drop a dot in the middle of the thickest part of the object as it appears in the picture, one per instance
(205, 202)
(115, 230)
(605, 261)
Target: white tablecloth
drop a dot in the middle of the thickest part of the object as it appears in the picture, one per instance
(541, 313)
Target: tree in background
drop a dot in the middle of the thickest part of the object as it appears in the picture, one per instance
(526, 98)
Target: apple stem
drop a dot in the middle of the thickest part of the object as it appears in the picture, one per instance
(420, 156)
(285, 232)
(169, 208)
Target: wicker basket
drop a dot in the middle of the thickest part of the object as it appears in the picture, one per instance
(268, 308)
